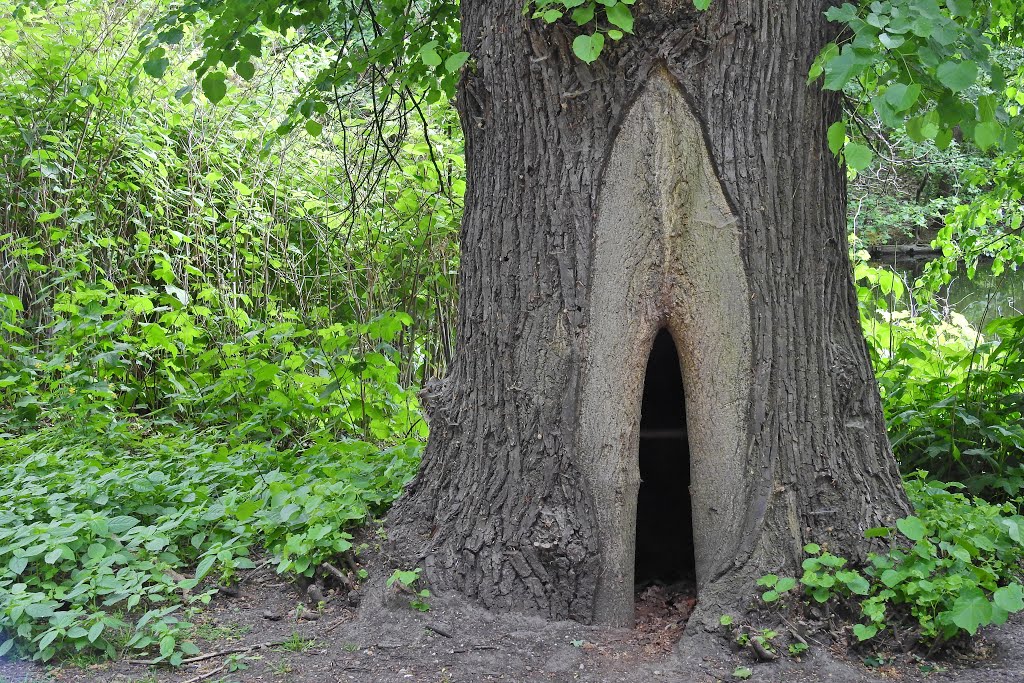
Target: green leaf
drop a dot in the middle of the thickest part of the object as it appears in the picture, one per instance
(812, 548)
(858, 156)
(619, 15)
(912, 527)
(428, 54)
(204, 566)
(6, 646)
(741, 672)
(583, 15)
(121, 524)
(314, 128)
(971, 610)
(768, 580)
(1009, 598)
(214, 86)
(551, 16)
(842, 67)
(987, 134)
(702, 5)
(901, 96)
(156, 66)
(455, 62)
(837, 136)
(247, 509)
(167, 644)
(252, 43)
(786, 583)
(960, 8)
(246, 70)
(17, 565)
(588, 48)
(865, 631)
(770, 596)
(957, 76)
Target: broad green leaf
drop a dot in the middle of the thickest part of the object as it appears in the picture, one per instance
(583, 15)
(247, 509)
(121, 524)
(957, 76)
(588, 48)
(837, 136)
(858, 156)
(865, 631)
(455, 62)
(971, 610)
(901, 96)
(156, 65)
(842, 67)
(167, 644)
(428, 54)
(619, 15)
(912, 527)
(987, 134)
(786, 583)
(314, 128)
(1009, 598)
(246, 70)
(214, 86)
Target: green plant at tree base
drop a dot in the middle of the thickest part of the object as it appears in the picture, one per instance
(407, 580)
(954, 567)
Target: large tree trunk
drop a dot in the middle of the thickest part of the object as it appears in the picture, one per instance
(681, 182)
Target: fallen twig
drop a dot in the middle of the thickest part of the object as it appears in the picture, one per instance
(338, 574)
(211, 655)
(203, 677)
(438, 630)
(762, 653)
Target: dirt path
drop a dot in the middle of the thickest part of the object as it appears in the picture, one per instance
(457, 643)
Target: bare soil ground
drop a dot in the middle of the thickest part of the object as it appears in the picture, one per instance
(260, 636)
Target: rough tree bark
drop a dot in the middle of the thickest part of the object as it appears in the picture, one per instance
(682, 181)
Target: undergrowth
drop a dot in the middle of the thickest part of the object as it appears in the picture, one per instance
(951, 568)
(101, 523)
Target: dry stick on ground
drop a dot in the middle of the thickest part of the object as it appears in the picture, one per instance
(338, 574)
(211, 655)
(203, 677)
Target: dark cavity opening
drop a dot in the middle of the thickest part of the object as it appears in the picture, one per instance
(664, 522)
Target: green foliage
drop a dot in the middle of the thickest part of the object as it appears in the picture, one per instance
(103, 519)
(406, 580)
(953, 397)
(925, 68)
(201, 349)
(953, 567)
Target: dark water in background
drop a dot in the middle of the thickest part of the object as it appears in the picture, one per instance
(980, 300)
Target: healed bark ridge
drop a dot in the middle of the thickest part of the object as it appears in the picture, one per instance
(666, 255)
(681, 182)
